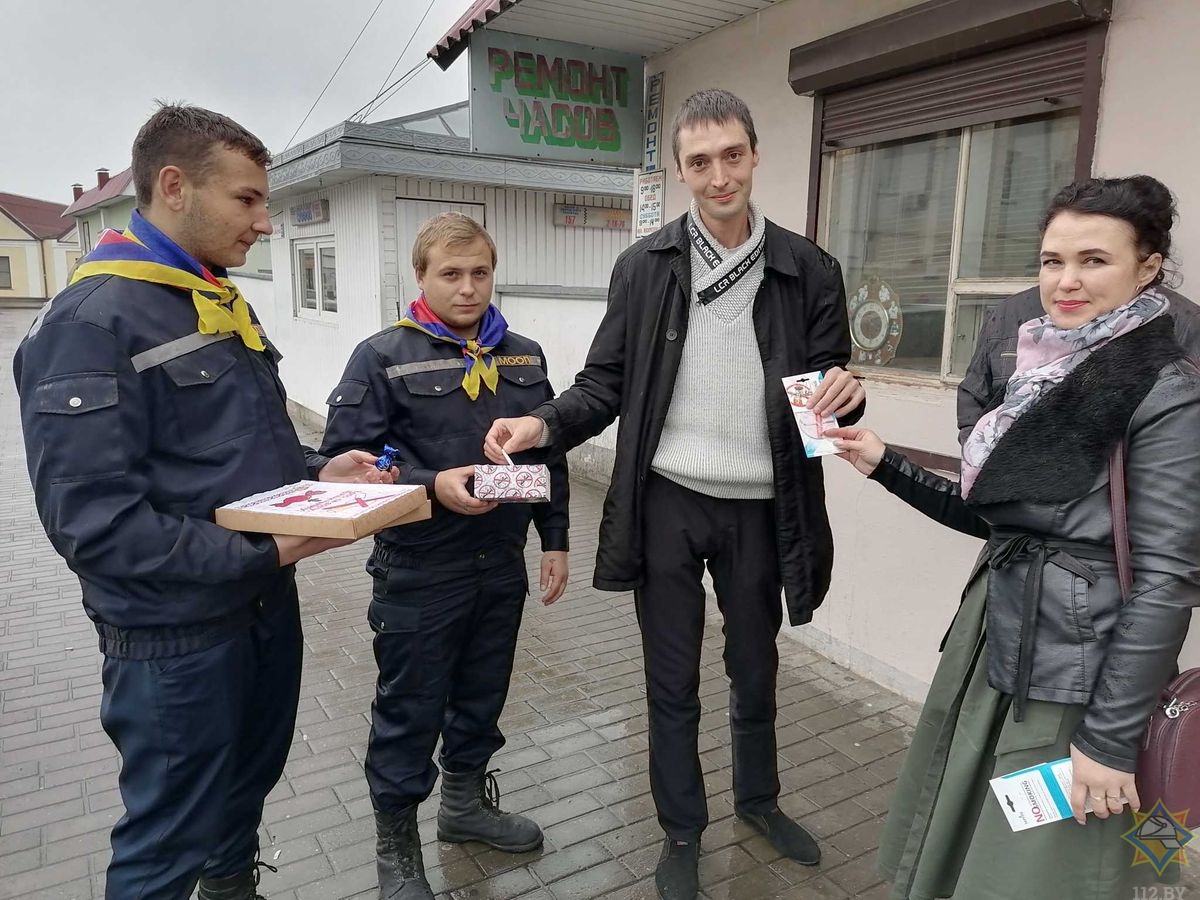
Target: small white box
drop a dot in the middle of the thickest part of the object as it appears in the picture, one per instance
(512, 484)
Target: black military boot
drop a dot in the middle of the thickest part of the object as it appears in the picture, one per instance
(398, 857)
(242, 886)
(470, 811)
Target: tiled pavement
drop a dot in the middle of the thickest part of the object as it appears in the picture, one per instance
(575, 759)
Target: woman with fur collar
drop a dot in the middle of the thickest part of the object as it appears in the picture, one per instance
(1043, 660)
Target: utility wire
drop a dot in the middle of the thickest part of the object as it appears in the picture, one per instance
(359, 114)
(333, 76)
(383, 85)
(363, 112)
(395, 87)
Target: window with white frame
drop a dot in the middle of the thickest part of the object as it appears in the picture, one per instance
(5, 274)
(933, 230)
(315, 263)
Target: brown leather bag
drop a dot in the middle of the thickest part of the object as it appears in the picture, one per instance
(1167, 768)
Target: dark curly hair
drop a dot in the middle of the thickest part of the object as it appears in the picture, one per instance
(1141, 200)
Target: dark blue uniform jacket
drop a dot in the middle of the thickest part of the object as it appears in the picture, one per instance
(136, 428)
(404, 388)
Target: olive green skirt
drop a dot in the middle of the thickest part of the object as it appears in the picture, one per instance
(946, 835)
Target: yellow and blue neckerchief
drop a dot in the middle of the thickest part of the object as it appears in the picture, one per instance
(477, 353)
(143, 253)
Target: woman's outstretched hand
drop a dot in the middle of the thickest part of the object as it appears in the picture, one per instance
(860, 447)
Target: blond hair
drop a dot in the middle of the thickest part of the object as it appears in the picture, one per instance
(449, 228)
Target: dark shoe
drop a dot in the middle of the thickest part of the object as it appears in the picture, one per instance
(242, 886)
(677, 877)
(787, 837)
(398, 857)
(470, 811)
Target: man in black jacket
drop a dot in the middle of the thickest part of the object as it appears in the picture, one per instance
(150, 396)
(995, 357)
(704, 320)
(448, 593)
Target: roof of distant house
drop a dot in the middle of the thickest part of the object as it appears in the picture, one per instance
(102, 196)
(41, 218)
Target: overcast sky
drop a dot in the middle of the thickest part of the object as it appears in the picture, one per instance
(81, 77)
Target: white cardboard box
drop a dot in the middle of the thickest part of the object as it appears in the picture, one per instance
(327, 509)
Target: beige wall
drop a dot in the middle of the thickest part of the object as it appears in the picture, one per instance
(1148, 109)
(750, 58)
(58, 257)
(897, 576)
(24, 261)
(11, 231)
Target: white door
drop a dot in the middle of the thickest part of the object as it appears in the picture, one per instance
(410, 215)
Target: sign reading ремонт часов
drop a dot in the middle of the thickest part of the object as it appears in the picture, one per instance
(554, 100)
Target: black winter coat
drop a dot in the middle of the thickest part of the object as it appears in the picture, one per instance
(801, 325)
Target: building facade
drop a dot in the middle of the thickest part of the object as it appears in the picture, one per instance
(919, 142)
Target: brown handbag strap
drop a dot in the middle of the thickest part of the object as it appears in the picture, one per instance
(1120, 522)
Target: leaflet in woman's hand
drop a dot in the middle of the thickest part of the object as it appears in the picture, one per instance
(800, 389)
(1036, 796)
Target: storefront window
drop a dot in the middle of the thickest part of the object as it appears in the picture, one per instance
(932, 231)
(316, 279)
(891, 225)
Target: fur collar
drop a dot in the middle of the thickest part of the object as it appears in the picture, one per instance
(1085, 415)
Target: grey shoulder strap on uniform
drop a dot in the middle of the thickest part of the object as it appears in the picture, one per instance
(41, 316)
(156, 356)
(428, 365)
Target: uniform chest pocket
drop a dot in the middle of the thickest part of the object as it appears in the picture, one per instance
(523, 376)
(205, 397)
(440, 382)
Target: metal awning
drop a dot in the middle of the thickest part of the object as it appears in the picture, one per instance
(643, 27)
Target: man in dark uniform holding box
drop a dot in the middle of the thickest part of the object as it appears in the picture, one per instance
(149, 397)
(448, 593)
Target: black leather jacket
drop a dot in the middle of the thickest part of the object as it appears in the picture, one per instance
(1056, 626)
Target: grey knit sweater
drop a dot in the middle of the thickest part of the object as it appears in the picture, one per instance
(714, 440)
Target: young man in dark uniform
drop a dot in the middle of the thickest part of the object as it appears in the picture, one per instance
(149, 397)
(448, 593)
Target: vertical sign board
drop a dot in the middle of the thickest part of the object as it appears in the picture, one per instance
(651, 191)
(541, 99)
(652, 143)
